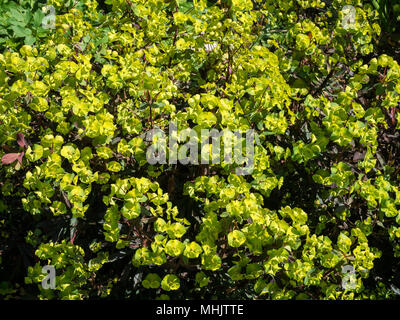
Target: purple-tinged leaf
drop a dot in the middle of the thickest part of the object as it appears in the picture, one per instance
(9, 158)
(21, 140)
(20, 156)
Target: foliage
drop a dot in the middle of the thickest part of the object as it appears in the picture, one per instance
(20, 23)
(78, 193)
(389, 12)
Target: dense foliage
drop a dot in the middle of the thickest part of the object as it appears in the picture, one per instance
(76, 191)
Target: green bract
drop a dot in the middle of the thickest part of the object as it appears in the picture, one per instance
(170, 282)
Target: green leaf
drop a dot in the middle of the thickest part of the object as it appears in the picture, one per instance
(152, 281)
(21, 31)
(174, 248)
(206, 119)
(344, 242)
(70, 152)
(170, 283)
(236, 238)
(114, 166)
(192, 250)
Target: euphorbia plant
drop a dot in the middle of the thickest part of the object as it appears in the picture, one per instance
(322, 197)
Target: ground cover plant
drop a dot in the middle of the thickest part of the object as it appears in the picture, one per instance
(318, 81)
